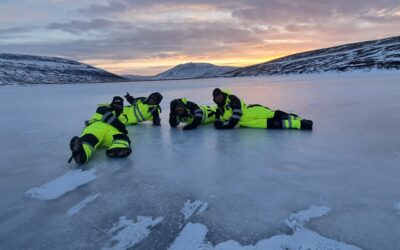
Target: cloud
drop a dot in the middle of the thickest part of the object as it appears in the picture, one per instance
(306, 11)
(11, 31)
(158, 30)
(79, 26)
(124, 40)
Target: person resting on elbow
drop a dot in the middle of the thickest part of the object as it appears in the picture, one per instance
(189, 113)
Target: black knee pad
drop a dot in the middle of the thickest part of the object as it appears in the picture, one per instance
(281, 115)
(274, 123)
(89, 138)
(122, 137)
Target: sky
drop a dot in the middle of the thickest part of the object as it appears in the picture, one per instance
(146, 37)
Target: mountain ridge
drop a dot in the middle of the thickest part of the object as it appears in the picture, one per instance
(29, 69)
(374, 54)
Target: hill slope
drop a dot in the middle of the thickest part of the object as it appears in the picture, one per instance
(193, 70)
(25, 69)
(376, 54)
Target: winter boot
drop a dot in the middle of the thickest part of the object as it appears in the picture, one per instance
(306, 124)
(78, 152)
(118, 152)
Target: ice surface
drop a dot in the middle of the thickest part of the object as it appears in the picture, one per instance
(252, 180)
(397, 207)
(81, 205)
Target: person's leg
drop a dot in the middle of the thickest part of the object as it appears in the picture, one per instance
(255, 117)
(288, 121)
(254, 123)
(120, 146)
(84, 146)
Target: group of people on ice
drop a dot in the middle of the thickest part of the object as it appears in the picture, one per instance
(107, 127)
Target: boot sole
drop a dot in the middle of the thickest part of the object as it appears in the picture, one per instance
(119, 153)
(78, 153)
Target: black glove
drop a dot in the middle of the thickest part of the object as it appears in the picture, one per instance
(157, 121)
(189, 127)
(172, 120)
(129, 98)
(117, 110)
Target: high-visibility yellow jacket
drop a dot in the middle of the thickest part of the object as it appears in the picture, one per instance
(194, 115)
(140, 111)
(106, 114)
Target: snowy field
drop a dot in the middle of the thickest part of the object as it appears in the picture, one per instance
(337, 187)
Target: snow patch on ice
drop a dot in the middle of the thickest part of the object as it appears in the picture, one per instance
(397, 207)
(191, 208)
(193, 236)
(299, 219)
(128, 233)
(62, 185)
(81, 205)
(301, 239)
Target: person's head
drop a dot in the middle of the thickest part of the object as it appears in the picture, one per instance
(180, 108)
(117, 104)
(218, 96)
(154, 98)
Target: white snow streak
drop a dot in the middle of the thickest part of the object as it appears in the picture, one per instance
(81, 205)
(191, 207)
(62, 185)
(193, 236)
(298, 220)
(128, 233)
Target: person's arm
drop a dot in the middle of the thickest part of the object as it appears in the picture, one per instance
(218, 123)
(155, 113)
(234, 119)
(173, 119)
(197, 113)
(106, 115)
(130, 98)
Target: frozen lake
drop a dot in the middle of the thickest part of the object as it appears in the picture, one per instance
(337, 187)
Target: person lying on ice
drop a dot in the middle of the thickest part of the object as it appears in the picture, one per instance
(181, 110)
(232, 111)
(104, 129)
(143, 109)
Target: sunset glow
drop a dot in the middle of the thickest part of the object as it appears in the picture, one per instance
(148, 37)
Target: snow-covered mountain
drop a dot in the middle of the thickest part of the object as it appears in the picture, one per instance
(376, 54)
(25, 69)
(193, 70)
